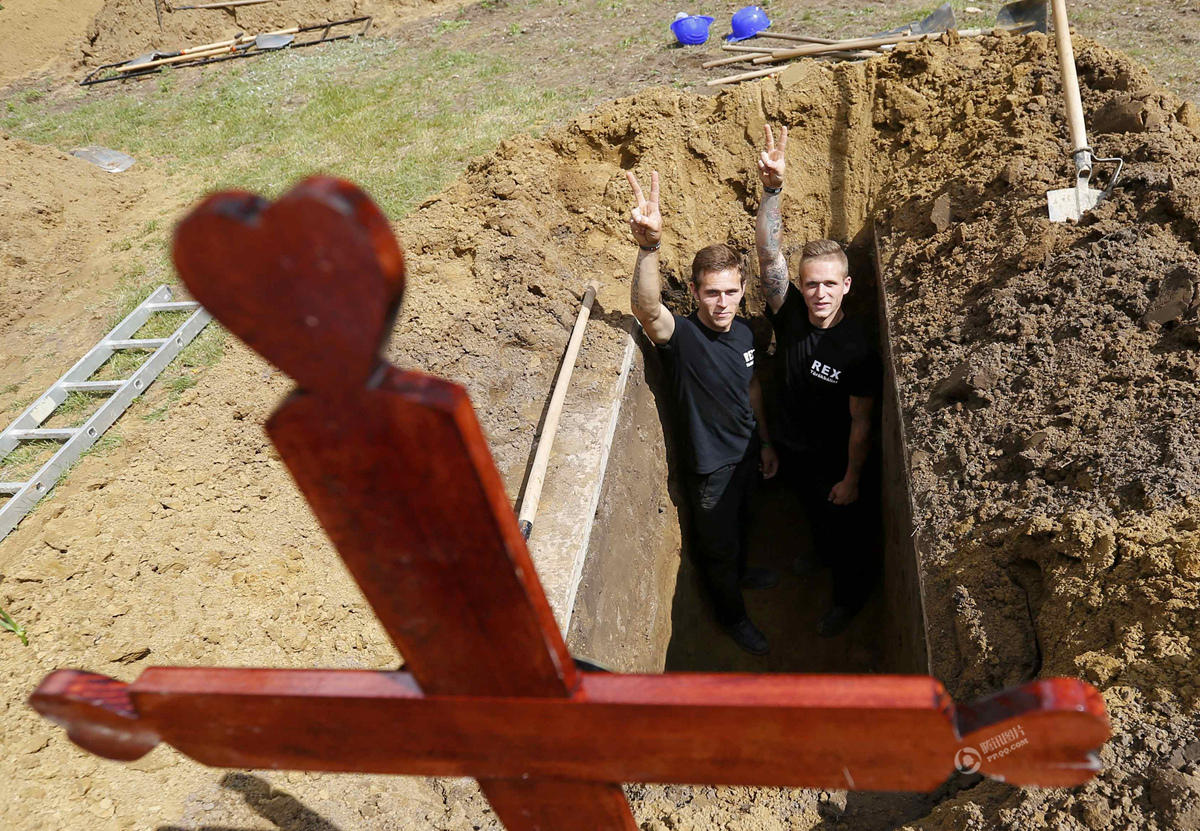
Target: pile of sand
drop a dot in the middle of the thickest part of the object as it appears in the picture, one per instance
(1048, 376)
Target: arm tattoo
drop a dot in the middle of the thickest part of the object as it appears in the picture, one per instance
(769, 212)
(775, 277)
(768, 233)
(774, 228)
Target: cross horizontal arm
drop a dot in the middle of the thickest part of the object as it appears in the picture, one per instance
(865, 732)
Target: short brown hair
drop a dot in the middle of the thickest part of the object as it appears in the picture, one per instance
(718, 257)
(820, 249)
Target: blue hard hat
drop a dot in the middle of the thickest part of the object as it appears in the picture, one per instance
(691, 29)
(747, 22)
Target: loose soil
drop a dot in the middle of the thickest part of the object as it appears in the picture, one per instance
(1047, 378)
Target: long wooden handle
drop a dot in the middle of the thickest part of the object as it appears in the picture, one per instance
(800, 38)
(734, 59)
(856, 43)
(1070, 80)
(824, 48)
(209, 51)
(744, 76)
(228, 5)
(537, 475)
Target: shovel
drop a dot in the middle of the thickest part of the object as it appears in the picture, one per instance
(1072, 203)
(1023, 16)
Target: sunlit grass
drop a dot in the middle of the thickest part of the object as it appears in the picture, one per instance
(366, 111)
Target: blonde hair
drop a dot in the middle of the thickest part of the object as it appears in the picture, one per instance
(820, 249)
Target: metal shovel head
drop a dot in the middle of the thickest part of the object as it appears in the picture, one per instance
(1072, 203)
(940, 19)
(272, 41)
(149, 56)
(1025, 15)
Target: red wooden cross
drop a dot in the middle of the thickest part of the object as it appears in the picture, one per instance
(398, 472)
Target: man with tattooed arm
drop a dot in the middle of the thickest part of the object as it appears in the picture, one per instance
(831, 379)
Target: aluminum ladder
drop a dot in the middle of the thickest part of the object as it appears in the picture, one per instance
(76, 440)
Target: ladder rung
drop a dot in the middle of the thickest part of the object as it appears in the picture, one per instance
(42, 433)
(11, 487)
(91, 386)
(136, 343)
(173, 306)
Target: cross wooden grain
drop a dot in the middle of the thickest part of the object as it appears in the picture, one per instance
(398, 472)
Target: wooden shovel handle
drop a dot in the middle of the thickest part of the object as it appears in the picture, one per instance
(541, 458)
(1070, 80)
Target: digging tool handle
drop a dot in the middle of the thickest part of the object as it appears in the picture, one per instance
(800, 38)
(231, 4)
(744, 76)
(829, 47)
(856, 43)
(1070, 80)
(198, 52)
(734, 59)
(537, 474)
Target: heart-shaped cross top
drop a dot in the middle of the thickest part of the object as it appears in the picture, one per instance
(311, 282)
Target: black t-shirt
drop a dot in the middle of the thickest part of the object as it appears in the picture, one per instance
(710, 378)
(822, 369)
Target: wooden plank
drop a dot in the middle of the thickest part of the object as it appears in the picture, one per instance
(857, 732)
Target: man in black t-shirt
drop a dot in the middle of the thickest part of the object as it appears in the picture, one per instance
(831, 378)
(710, 358)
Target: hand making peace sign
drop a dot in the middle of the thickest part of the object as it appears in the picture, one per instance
(645, 221)
(773, 163)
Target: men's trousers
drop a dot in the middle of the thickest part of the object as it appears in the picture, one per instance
(845, 537)
(720, 507)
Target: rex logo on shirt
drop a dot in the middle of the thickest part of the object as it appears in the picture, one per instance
(825, 372)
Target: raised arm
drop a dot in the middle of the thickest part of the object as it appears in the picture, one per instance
(772, 266)
(645, 294)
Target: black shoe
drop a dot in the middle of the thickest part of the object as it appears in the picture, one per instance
(757, 577)
(746, 635)
(806, 566)
(835, 622)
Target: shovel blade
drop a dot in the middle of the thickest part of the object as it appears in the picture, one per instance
(940, 19)
(1024, 15)
(1072, 203)
(273, 41)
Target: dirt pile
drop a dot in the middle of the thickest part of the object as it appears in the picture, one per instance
(1048, 376)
